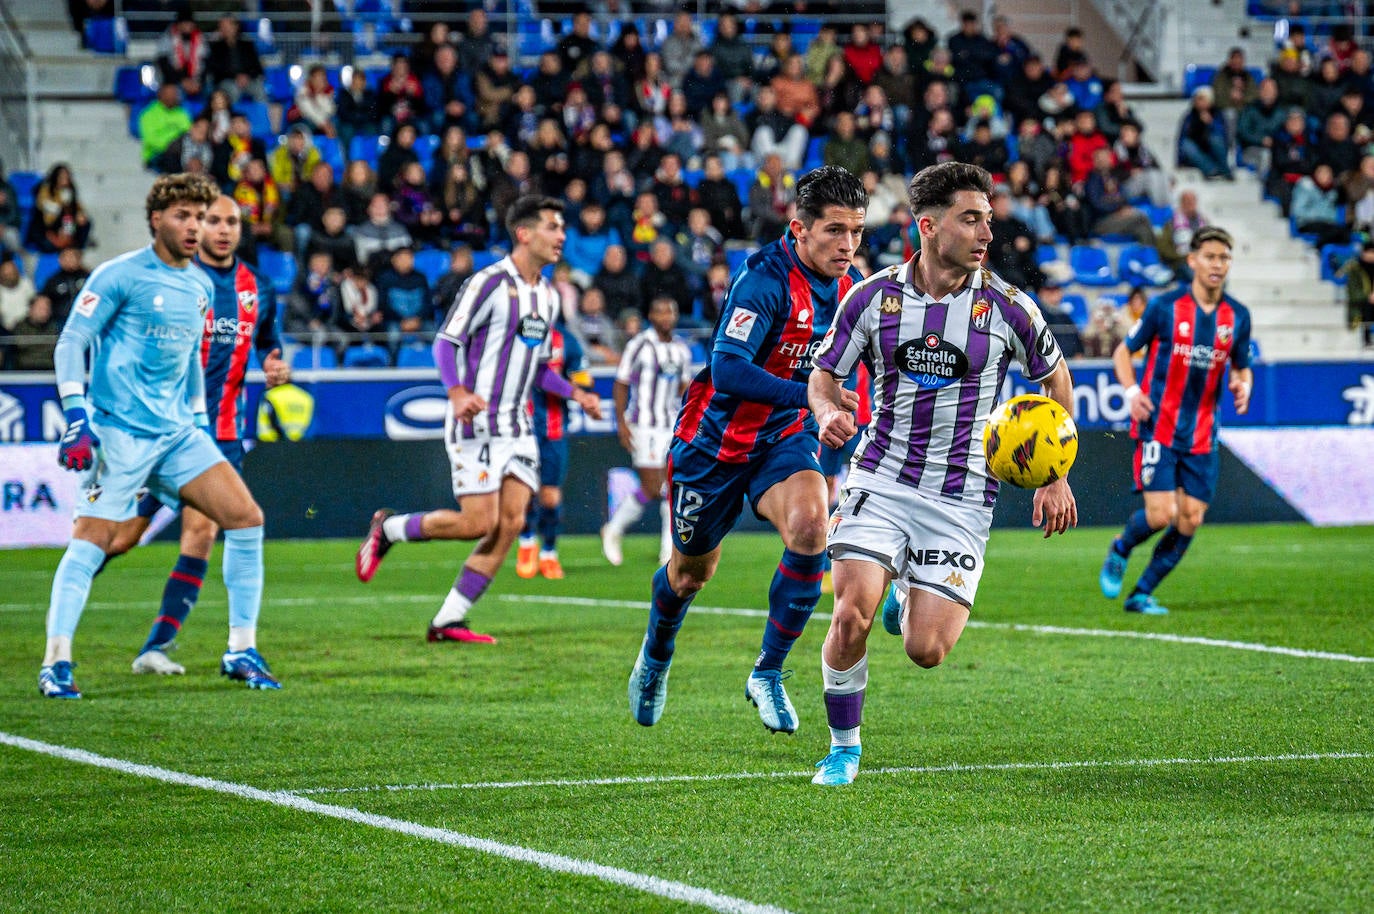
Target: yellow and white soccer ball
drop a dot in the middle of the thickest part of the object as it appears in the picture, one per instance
(1030, 441)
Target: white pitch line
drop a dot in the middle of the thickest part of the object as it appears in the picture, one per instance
(974, 623)
(909, 769)
(676, 891)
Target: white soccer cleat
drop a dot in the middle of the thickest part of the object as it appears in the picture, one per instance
(155, 661)
(764, 689)
(610, 545)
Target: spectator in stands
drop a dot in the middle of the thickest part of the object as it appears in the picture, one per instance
(399, 153)
(1202, 138)
(550, 84)
(1314, 207)
(260, 200)
(719, 196)
(1011, 254)
(605, 83)
(16, 291)
(653, 89)
(796, 96)
(11, 216)
(1058, 319)
(647, 225)
(845, 149)
(1070, 52)
(413, 206)
(774, 133)
(476, 47)
(699, 246)
(578, 46)
(61, 288)
(1012, 51)
(1358, 274)
(1294, 88)
(1028, 204)
(380, 234)
(1083, 145)
(1233, 87)
(1175, 240)
(1035, 147)
(1084, 85)
(1257, 124)
(192, 151)
(733, 56)
(702, 83)
(496, 85)
(422, 55)
(293, 163)
(220, 112)
(312, 307)
(1327, 84)
(663, 276)
(461, 266)
(862, 54)
(679, 134)
(465, 212)
(937, 144)
(1114, 111)
(675, 198)
(1360, 74)
(1022, 97)
(1341, 46)
(599, 335)
(1107, 326)
(839, 91)
(889, 243)
(162, 122)
(453, 150)
(512, 182)
(334, 237)
(983, 150)
(820, 52)
(305, 208)
(357, 115)
(404, 295)
(1058, 104)
(1141, 175)
(985, 108)
(181, 53)
(1294, 155)
(771, 198)
(233, 64)
(874, 115)
(680, 48)
(617, 281)
(882, 196)
(314, 103)
(58, 221)
(360, 314)
(1107, 204)
(724, 133)
(899, 88)
(240, 148)
(1070, 216)
(400, 97)
(1335, 147)
(35, 337)
(1357, 189)
(584, 250)
(359, 186)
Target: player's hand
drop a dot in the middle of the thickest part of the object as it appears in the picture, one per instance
(466, 404)
(1240, 389)
(1054, 506)
(836, 427)
(76, 450)
(275, 369)
(590, 402)
(849, 399)
(1141, 407)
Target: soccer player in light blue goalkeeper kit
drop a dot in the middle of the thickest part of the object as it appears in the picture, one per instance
(938, 334)
(141, 422)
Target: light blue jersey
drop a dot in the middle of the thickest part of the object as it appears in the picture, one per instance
(142, 321)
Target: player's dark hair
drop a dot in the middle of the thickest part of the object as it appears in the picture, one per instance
(525, 210)
(169, 190)
(934, 187)
(829, 185)
(1210, 233)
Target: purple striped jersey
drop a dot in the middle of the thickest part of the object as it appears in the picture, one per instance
(655, 371)
(501, 326)
(938, 369)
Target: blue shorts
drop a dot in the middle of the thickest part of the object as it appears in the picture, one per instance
(128, 463)
(233, 452)
(707, 496)
(1164, 469)
(553, 461)
(834, 459)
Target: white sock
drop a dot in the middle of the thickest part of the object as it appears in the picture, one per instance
(526, 541)
(242, 637)
(454, 610)
(665, 514)
(548, 553)
(626, 513)
(845, 682)
(394, 528)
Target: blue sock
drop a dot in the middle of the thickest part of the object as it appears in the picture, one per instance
(243, 575)
(1168, 553)
(531, 513)
(793, 597)
(178, 599)
(1137, 531)
(666, 612)
(549, 521)
(71, 586)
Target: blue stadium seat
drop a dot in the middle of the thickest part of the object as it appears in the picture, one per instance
(330, 153)
(308, 357)
(1195, 75)
(483, 259)
(416, 355)
(425, 145)
(135, 112)
(1045, 253)
(364, 147)
(259, 116)
(692, 176)
(743, 179)
(107, 36)
(735, 257)
(280, 266)
(24, 184)
(1159, 215)
(1090, 266)
(367, 355)
(46, 266)
(432, 263)
(280, 87)
(1335, 256)
(1077, 306)
(815, 151)
(1134, 266)
(133, 86)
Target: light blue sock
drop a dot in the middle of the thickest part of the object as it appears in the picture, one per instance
(71, 586)
(243, 575)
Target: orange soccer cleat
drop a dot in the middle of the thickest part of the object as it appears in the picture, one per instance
(550, 567)
(527, 560)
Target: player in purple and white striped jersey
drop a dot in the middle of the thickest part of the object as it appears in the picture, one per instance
(492, 351)
(649, 383)
(938, 334)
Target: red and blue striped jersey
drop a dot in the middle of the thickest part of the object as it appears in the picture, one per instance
(242, 315)
(1185, 366)
(775, 314)
(550, 411)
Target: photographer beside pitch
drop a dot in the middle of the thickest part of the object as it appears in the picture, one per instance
(936, 333)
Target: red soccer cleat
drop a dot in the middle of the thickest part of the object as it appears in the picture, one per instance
(457, 631)
(374, 547)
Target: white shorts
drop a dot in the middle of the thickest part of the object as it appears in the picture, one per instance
(924, 542)
(480, 464)
(650, 446)
(126, 464)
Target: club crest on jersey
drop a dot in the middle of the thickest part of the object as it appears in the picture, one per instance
(741, 324)
(202, 302)
(86, 303)
(982, 314)
(533, 330)
(248, 299)
(890, 304)
(1223, 334)
(93, 493)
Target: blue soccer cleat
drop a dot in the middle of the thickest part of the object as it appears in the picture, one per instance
(648, 687)
(55, 681)
(1113, 570)
(764, 689)
(1144, 604)
(892, 612)
(248, 667)
(839, 767)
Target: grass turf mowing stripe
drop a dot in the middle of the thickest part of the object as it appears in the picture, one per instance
(911, 769)
(653, 885)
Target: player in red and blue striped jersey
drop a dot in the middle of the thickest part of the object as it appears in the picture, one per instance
(745, 433)
(1190, 336)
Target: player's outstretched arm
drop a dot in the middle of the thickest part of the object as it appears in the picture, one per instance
(621, 395)
(834, 408)
(1054, 505)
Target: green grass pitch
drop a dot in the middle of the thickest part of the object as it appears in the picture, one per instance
(1046, 766)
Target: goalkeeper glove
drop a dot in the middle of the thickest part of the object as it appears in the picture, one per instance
(76, 451)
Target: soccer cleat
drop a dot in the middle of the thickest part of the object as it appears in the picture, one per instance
(648, 687)
(527, 560)
(893, 611)
(154, 660)
(374, 546)
(839, 767)
(550, 567)
(1113, 570)
(1144, 604)
(764, 689)
(457, 631)
(248, 667)
(610, 545)
(56, 681)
